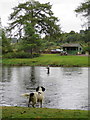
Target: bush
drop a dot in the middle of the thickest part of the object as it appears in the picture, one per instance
(86, 49)
(35, 54)
(21, 54)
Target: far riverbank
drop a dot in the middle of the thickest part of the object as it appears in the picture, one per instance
(49, 59)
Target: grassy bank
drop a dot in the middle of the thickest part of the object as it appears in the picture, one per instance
(24, 112)
(50, 59)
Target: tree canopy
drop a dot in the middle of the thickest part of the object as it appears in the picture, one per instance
(31, 41)
(39, 15)
(84, 10)
(5, 43)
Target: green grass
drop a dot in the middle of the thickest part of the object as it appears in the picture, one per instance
(24, 112)
(50, 59)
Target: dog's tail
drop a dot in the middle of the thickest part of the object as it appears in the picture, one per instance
(25, 94)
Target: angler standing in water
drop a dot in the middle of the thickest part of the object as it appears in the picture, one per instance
(48, 69)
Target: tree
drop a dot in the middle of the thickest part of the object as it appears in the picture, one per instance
(84, 9)
(31, 41)
(0, 37)
(5, 43)
(74, 37)
(39, 15)
(87, 37)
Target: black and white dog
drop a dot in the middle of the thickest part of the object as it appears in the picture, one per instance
(37, 96)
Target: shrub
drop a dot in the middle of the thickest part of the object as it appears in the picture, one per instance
(35, 54)
(20, 54)
(86, 49)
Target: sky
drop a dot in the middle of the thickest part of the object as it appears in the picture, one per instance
(63, 9)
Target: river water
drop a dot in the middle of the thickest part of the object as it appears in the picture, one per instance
(66, 88)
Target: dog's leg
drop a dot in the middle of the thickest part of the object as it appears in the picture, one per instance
(29, 101)
(33, 105)
(41, 104)
(30, 98)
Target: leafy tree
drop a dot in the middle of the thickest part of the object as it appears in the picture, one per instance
(73, 37)
(84, 9)
(0, 37)
(72, 32)
(6, 47)
(31, 41)
(86, 48)
(87, 36)
(39, 15)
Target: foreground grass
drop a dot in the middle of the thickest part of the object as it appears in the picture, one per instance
(50, 59)
(24, 112)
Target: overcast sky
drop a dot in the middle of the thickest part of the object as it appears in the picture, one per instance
(63, 9)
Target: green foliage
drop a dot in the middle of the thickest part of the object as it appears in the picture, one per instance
(20, 54)
(87, 36)
(39, 15)
(84, 8)
(74, 37)
(6, 47)
(86, 49)
(31, 42)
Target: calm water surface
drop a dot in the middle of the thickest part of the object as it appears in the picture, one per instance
(66, 88)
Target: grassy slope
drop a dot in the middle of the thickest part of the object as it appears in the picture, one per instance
(50, 59)
(24, 112)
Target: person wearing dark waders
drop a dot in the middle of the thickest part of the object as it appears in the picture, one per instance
(48, 69)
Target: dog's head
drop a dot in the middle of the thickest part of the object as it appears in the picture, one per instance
(40, 88)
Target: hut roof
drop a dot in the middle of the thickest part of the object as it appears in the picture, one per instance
(71, 45)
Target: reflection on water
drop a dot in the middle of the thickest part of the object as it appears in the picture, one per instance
(66, 88)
